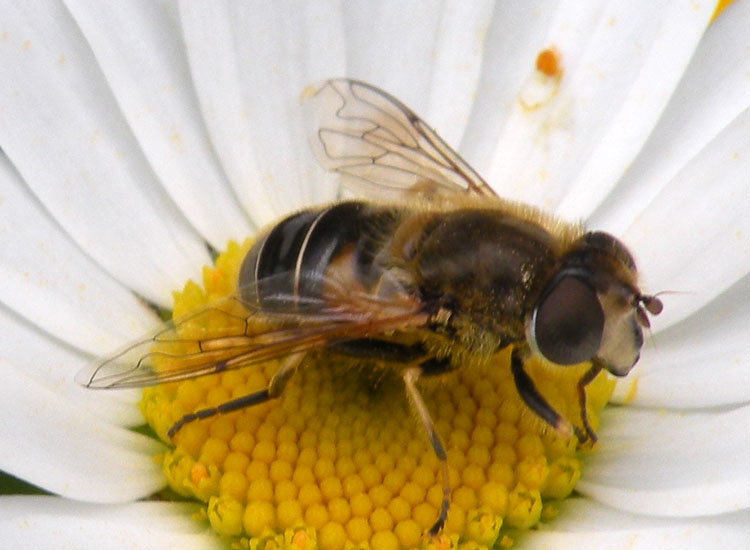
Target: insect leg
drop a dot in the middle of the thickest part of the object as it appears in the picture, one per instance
(533, 399)
(275, 387)
(584, 381)
(428, 368)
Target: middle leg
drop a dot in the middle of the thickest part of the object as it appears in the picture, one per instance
(430, 367)
(533, 399)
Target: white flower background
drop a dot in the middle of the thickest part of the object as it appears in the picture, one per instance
(133, 133)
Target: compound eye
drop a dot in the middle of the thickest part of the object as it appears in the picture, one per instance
(569, 322)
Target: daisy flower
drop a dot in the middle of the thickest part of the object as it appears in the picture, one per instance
(138, 138)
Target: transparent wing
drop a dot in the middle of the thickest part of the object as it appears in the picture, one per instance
(381, 147)
(235, 332)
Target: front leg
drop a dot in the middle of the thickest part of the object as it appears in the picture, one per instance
(585, 380)
(533, 399)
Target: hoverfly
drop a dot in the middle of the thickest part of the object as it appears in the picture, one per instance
(436, 256)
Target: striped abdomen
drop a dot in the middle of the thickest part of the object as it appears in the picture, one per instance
(291, 260)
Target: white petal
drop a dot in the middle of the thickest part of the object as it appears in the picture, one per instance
(456, 66)
(50, 282)
(713, 91)
(50, 522)
(664, 52)
(516, 35)
(63, 132)
(427, 54)
(391, 44)
(669, 464)
(251, 63)
(585, 524)
(693, 237)
(53, 365)
(699, 362)
(140, 50)
(619, 68)
(63, 448)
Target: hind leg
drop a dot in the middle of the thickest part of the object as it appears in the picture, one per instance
(275, 387)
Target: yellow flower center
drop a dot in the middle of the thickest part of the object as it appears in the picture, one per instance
(340, 461)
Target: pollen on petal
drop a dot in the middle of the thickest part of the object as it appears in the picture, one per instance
(339, 460)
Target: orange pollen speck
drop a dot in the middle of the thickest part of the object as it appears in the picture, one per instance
(198, 472)
(548, 62)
